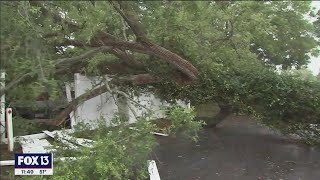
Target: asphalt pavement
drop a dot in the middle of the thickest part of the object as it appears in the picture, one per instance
(237, 149)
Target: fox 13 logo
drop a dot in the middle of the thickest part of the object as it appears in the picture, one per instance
(33, 164)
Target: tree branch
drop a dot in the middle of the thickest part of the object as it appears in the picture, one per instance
(77, 59)
(91, 94)
(181, 64)
(133, 22)
(122, 55)
(105, 39)
(126, 96)
(74, 103)
(140, 79)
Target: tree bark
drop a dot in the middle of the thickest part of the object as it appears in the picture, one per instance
(148, 48)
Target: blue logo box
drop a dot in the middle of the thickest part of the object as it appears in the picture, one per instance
(33, 161)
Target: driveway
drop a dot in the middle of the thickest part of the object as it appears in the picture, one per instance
(238, 149)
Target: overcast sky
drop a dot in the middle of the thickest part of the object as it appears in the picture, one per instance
(314, 65)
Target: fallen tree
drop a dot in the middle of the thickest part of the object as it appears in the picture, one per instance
(227, 61)
(199, 51)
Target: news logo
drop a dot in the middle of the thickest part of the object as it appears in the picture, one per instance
(33, 164)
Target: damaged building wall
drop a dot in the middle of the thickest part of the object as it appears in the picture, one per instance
(106, 105)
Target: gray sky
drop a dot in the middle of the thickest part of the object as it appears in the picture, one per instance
(314, 65)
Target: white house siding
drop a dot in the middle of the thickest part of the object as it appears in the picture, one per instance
(105, 106)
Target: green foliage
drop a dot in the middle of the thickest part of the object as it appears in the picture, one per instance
(182, 120)
(283, 97)
(23, 126)
(278, 45)
(98, 61)
(213, 34)
(283, 101)
(304, 74)
(234, 45)
(276, 32)
(118, 152)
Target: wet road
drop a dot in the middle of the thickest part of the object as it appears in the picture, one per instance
(237, 149)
